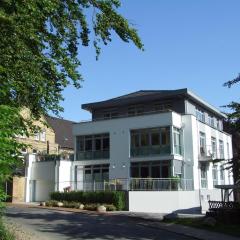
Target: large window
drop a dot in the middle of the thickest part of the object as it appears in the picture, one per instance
(202, 141)
(177, 141)
(214, 175)
(222, 175)
(93, 146)
(221, 149)
(203, 175)
(200, 115)
(211, 121)
(156, 169)
(214, 147)
(135, 110)
(152, 141)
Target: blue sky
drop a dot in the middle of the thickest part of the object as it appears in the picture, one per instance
(188, 43)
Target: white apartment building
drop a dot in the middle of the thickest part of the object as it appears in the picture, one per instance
(158, 145)
(166, 149)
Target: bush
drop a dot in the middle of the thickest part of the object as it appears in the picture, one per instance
(115, 198)
(110, 207)
(94, 206)
(91, 207)
(52, 203)
(71, 204)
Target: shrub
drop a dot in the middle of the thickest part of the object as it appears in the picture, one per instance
(52, 203)
(91, 207)
(110, 207)
(116, 198)
(71, 204)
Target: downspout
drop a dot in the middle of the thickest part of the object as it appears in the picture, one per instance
(199, 171)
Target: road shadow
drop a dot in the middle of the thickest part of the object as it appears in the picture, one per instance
(87, 226)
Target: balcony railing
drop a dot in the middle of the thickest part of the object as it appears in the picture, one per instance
(134, 184)
(54, 157)
(93, 155)
(211, 152)
(151, 151)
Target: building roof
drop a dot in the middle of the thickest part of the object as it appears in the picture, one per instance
(151, 95)
(63, 131)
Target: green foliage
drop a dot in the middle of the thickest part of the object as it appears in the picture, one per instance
(71, 204)
(52, 203)
(40, 42)
(11, 124)
(39, 49)
(116, 198)
(91, 206)
(4, 233)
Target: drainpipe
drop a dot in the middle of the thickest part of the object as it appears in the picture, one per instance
(199, 170)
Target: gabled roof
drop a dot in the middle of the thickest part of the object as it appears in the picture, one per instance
(63, 131)
(151, 95)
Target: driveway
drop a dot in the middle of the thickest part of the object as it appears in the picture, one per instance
(50, 225)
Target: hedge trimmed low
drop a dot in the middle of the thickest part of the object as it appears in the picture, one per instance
(115, 198)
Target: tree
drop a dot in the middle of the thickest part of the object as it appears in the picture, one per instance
(232, 125)
(39, 47)
(39, 42)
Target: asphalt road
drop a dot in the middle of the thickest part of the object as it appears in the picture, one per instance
(55, 225)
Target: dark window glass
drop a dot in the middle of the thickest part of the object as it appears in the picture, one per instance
(165, 135)
(155, 171)
(139, 110)
(144, 172)
(88, 145)
(155, 138)
(114, 115)
(98, 144)
(144, 139)
(135, 140)
(87, 171)
(106, 115)
(80, 143)
(165, 171)
(131, 111)
(134, 172)
(105, 143)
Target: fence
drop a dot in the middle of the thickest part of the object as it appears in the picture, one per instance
(132, 184)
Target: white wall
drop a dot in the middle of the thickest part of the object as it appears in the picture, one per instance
(46, 177)
(163, 201)
(64, 174)
(172, 201)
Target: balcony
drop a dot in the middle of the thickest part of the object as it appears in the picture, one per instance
(209, 152)
(136, 184)
(151, 151)
(54, 157)
(92, 155)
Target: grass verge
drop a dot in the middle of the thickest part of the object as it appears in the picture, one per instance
(4, 233)
(233, 229)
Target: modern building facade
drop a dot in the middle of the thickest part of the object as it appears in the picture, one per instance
(153, 141)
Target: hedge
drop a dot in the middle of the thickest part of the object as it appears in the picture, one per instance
(115, 198)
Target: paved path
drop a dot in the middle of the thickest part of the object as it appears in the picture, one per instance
(47, 224)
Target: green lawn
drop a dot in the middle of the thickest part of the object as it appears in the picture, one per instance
(233, 230)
